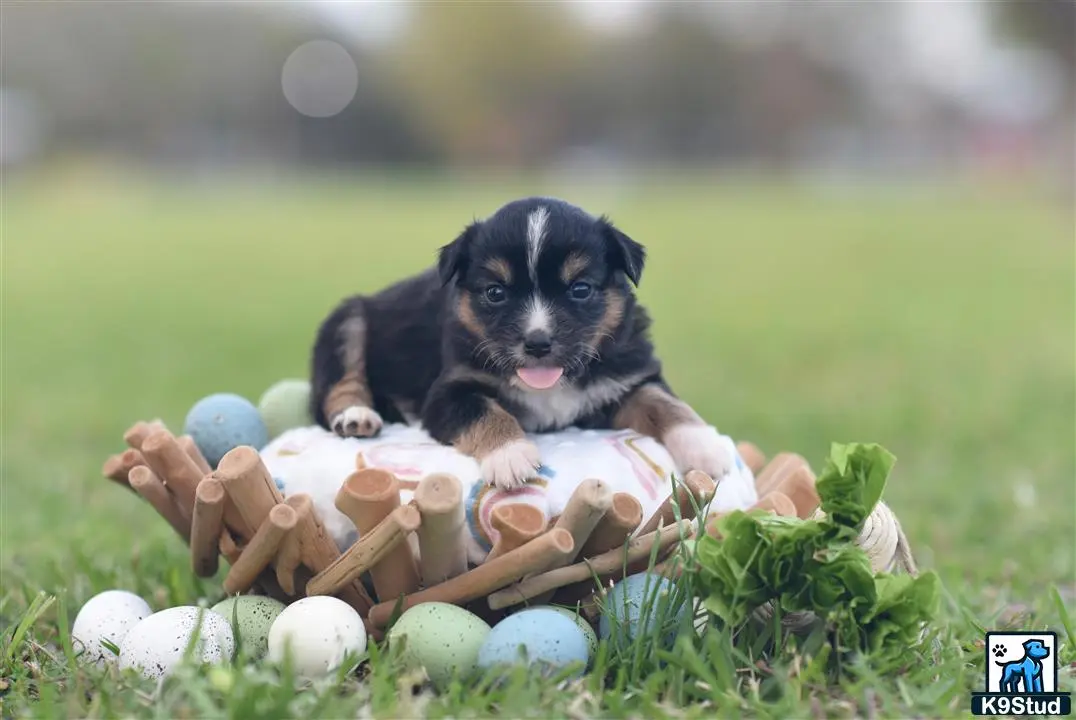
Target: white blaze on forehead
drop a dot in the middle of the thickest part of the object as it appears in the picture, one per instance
(536, 227)
(539, 315)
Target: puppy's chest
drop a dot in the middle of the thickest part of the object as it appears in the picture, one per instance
(562, 406)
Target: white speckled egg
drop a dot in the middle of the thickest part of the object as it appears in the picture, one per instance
(540, 637)
(107, 616)
(443, 638)
(158, 643)
(320, 632)
(584, 625)
(250, 616)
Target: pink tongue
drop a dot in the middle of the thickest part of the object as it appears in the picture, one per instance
(540, 378)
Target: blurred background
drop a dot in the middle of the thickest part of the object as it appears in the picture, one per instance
(822, 90)
(859, 217)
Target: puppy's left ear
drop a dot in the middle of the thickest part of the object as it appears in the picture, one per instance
(453, 258)
(622, 252)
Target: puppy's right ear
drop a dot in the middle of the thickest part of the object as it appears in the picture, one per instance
(453, 258)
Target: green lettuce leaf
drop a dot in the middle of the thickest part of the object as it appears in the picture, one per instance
(852, 482)
(815, 565)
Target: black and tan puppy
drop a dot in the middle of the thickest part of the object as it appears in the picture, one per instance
(528, 323)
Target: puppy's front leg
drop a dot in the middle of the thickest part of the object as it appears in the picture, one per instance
(653, 410)
(462, 413)
(340, 397)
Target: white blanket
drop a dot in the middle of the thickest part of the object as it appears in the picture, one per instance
(316, 462)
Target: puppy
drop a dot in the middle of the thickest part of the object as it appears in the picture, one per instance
(528, 323)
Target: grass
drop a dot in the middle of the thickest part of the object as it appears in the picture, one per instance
(938, 322)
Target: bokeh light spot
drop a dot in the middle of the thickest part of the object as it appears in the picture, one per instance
(319, 78)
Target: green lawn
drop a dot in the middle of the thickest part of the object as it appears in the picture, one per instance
(937, 322)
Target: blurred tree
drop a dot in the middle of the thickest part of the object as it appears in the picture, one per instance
(483, 78)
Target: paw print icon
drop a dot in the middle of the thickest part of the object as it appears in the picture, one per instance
(999, 651)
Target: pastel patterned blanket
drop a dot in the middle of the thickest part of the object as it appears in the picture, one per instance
(314, 461)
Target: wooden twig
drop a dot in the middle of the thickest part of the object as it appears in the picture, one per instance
(486, 577)
(147, 484)
(638, 549)
(118, 467)
(207, 523)
(442, 553)
(516, 524)
(249, 486)
(695, 491)
(261, 549)
(137, 433)
(367, 497)
(372, 549)
(752, 456)
(615, 527)
(289, 557)
(781, 466)
(187, 443)
(174, 466)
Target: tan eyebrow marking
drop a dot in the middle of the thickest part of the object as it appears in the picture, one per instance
(500, 268)
(574, 264)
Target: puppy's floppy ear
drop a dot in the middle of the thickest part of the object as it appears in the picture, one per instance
(622, 252)
(453, 258)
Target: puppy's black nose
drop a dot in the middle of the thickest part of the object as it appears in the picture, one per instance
(537, 344)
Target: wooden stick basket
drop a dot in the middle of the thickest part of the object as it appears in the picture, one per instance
(278, 546)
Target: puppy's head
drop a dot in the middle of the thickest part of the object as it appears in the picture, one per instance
(541, 284)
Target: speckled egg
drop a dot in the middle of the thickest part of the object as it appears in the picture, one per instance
(319, 632)
(638, 604)
(584, 625)
(158, 644)
(443, 638)
(286, 405)
(250, 616)
(108, 617)
(224, 421)
(541, 638)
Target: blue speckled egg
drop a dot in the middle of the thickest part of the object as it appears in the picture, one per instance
(224, 421)
(538, 637)
(637, 605)
(584, 625)
(286, 405)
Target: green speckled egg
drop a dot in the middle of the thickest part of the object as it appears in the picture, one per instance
(285, 405)
(443, 638)
(584, 625)
(250, 616)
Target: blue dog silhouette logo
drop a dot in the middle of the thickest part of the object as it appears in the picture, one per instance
(1021, 676)
(1024, 674)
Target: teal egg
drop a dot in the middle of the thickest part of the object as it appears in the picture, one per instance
(540, 638)
(443, 638)
(218, 423)
(584, 625)
(285, 405)
(639, 604)
(250, 616)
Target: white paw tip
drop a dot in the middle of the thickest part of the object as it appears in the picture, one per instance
(511, 465)
(357, 421)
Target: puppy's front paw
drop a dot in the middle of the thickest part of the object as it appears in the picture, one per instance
(356, 421)
(511, 465)
(698, 447)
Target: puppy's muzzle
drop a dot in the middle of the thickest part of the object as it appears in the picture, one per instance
(537, 344)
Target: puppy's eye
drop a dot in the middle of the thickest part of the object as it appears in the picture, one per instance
(496, 294)
(580, 291)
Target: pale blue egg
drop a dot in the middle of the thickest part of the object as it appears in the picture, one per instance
(539, 637)
(224, 421)
(637, 605)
